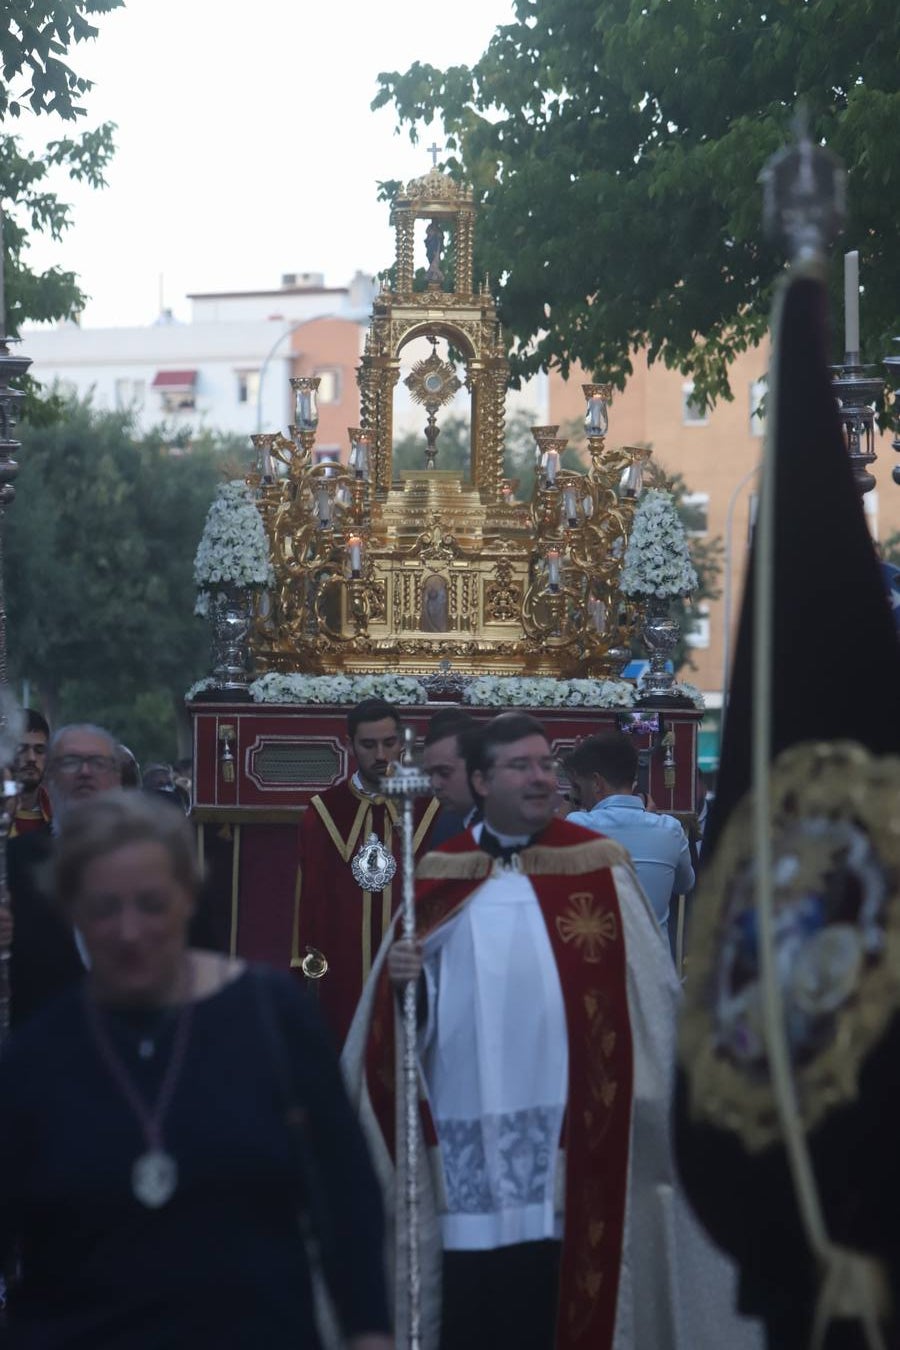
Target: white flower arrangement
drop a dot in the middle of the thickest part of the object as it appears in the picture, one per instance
(657, 558)
(486, 691)
(490, 691)
(200, 687)
(689, 691)
(233, 549)
(275, 688)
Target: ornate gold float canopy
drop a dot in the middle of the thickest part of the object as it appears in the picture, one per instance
(438, 568)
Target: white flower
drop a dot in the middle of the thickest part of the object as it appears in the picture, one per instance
(200, 687)
(484, 691)
(294, 688)
(657, 559)
(233, 549)
(690, 691)
(490, 691)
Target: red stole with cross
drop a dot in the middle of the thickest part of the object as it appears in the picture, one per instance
(569, 868)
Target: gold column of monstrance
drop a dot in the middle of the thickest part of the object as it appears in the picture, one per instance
(376, 575)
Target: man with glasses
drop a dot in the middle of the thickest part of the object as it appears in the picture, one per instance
(547, 1006)
(82, 760)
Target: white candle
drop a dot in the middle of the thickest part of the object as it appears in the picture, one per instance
(553, 566)
(552, 465)
(851, 302)
(323, 507)
(362, 457)
(354, 543)
(571, 506)
(597, 420)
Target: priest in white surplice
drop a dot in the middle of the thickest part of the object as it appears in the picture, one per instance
(551, 1218)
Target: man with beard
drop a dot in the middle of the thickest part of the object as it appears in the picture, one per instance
(33, 809)
(549, 1210)
(349, 849)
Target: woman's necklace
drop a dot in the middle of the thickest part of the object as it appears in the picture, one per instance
(154, 1173)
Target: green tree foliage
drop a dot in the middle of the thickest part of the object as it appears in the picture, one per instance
(99, 552)
(35, 36)
(615, 147)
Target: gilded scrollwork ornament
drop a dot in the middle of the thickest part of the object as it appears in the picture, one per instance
(375, 573)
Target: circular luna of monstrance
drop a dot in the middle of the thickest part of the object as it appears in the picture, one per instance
(432, 381)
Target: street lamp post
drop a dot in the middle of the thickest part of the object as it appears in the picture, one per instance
(285, 333)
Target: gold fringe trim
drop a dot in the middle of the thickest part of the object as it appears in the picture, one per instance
(571, 860)
(574, 860)
(454, 866)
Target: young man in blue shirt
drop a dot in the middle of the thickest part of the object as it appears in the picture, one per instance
(603, 769)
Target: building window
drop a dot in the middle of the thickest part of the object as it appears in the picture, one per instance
(177, 390)
(692, 414)
(329, 386)
(695, 512)
(130, 393)
(248, 387)
(758, 390)
(698, 632)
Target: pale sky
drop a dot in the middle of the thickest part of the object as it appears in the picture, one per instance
(245, 145)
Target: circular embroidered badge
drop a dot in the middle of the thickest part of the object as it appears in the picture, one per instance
(835, 870)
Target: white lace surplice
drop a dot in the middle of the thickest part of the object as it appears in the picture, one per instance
(495, 1056)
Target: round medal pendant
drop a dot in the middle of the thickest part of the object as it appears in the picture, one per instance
(373, 867)
(154, 1176)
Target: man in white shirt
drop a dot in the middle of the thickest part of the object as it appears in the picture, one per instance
(603, 770)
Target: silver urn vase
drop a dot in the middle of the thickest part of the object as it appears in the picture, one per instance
(660, 633)
(231, 614)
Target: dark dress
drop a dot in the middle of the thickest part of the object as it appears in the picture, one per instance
(222, 1264)
(44, 959)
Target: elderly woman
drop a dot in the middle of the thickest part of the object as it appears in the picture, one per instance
(170, 1126)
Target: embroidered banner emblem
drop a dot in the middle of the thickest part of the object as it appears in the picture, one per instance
(588, 925)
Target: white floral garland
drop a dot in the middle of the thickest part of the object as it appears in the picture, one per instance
(233, 549)
(690, 691)
(275, 688)
(487, 691)
(657, 558)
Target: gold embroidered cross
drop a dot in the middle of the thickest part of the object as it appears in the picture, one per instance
(588, 925)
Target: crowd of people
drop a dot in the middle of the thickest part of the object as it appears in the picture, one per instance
(182, 1162)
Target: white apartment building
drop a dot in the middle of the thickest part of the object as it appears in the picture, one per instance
(225, 370)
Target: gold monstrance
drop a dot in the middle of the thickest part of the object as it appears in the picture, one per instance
(438, 567)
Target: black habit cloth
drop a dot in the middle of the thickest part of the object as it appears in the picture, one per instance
(836, 675)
